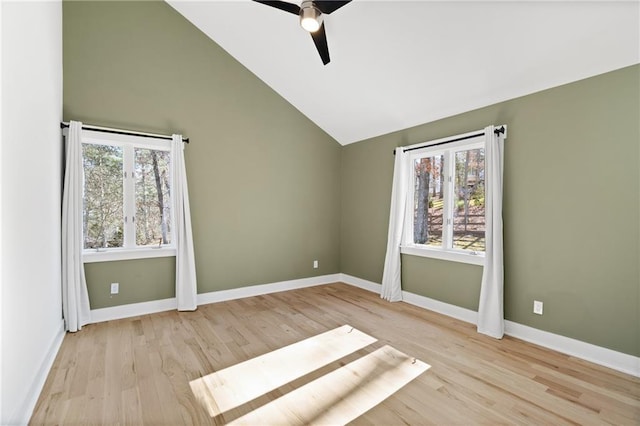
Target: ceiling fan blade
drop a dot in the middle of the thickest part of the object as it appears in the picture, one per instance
(282, 5)
(328, 6)
(320, 40)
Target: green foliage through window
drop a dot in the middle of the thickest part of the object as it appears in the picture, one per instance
(126, 208)
(153, 210)
(103, 215)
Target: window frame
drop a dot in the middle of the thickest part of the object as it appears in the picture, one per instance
(129, 251)
(446, 251)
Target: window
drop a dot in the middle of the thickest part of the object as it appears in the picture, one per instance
(445, 216)
(126, 197)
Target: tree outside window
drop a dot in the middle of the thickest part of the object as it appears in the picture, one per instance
(448, 198)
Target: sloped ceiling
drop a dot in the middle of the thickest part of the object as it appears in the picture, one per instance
(397, 64)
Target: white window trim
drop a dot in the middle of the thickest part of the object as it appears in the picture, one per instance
(442, 253)
(114, 254)
(127, 142)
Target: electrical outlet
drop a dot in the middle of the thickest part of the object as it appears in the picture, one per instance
(537, 307)
(315, 264)
(115, 288)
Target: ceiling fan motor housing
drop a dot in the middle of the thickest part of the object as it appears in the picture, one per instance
(310, 16)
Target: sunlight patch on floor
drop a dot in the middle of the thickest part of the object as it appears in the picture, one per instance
(335, 398)
(342, 395)
(236, 385)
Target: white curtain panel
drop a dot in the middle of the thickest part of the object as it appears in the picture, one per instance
(491, 309)
(391, 280)
(75, 297)
(186, 285)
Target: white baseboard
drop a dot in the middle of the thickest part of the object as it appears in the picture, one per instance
(258, 290)
(463, 314)
(21, 415)
(619, 361)
(447, 309)
(132, 310)
(359, 282)
(143, 308)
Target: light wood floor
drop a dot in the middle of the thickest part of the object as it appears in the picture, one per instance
(137, 370)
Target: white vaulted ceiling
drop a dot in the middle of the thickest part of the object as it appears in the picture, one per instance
(397, 64)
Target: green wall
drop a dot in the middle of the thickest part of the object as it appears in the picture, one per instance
(264, 181)
(571, 210)
(140, 280)
(271, 192)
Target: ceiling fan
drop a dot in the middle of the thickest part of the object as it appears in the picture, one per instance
(310, 12)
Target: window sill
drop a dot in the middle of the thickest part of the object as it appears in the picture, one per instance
(110, 255)
(455, 256)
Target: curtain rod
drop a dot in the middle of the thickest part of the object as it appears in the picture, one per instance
(122, 132)
(475, 135)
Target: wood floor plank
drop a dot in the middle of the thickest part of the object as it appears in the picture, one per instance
(138, 370)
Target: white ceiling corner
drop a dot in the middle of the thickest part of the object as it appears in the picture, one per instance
(397, 64)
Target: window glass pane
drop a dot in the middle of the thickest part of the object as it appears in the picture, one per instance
(102, 207)
(468, 208)
(428, 200)
(153, 205)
